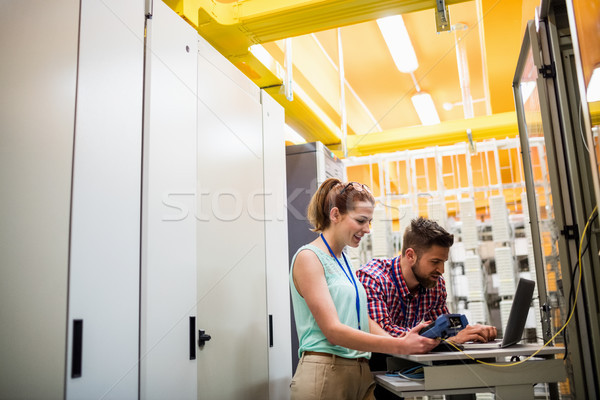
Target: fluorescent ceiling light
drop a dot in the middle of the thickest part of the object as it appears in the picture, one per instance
(398, 42)
(593, 89)
(425, 108)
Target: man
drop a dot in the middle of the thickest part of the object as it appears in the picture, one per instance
(408, 289)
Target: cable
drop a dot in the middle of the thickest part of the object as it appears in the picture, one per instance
(576, 267)
(413, 374)
(409, 378)
(590, 219)
(583, 139)
(571, 289)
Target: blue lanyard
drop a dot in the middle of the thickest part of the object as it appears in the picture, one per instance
(349, 275)
(397, 284)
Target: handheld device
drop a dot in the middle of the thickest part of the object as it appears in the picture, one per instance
(445, 326)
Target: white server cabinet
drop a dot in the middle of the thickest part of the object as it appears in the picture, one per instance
(232, 300)
(38, 76)
(103, 316)
(168, 309)
(276, 241)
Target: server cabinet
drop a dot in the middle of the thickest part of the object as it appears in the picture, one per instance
(276, 247)
(307, 166)
(168, 309)
(103, 322)
(38, 76)
(232, 299)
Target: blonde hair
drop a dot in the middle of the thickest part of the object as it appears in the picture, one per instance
(333, 193)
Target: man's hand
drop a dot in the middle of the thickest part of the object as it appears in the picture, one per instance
(475, 333)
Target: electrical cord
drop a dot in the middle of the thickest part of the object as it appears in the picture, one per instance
(410, 378)
(571, 289)
(412, 374)
(590, 219)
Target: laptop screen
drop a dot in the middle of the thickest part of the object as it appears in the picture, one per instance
(518, 312)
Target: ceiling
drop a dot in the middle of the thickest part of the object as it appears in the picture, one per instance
(377, 95)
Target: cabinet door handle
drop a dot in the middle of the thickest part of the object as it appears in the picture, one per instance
(77, 348)
(270, 330)
(192, 338)
(203, 337)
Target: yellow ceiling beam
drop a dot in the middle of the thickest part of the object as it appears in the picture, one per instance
(301, 116)
(233, 27)
(498, 126)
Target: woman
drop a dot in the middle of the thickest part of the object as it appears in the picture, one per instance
(330, 304)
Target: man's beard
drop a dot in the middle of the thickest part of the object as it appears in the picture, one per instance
(423, 280)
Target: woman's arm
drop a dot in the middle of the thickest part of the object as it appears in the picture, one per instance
(309, 279)
(376, 329)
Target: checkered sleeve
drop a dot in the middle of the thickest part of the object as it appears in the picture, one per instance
(377, 298)
(439, 306)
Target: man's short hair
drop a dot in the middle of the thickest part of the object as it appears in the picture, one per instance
(424, 233)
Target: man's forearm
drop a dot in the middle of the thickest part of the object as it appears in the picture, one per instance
(392, 329)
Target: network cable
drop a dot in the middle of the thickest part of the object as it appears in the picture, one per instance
(413, 373)
(571, 291)
(590, 219)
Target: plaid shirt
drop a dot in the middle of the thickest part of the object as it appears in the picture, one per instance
(398, 312)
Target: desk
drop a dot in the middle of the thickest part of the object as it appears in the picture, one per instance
(451, 373)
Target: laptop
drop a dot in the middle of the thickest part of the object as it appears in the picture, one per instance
(513, 331)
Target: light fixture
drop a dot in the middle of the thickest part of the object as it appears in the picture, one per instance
(398, 42)
(593, 89)
(425, 108)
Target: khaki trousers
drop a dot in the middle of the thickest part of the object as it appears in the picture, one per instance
(328, 377)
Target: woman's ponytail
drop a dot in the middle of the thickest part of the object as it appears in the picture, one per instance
(321, 203)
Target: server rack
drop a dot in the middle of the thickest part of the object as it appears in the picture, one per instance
(307, 166)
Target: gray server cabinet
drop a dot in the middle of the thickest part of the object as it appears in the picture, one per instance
(307, 165)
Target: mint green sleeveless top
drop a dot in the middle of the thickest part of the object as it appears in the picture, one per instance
(343, 294)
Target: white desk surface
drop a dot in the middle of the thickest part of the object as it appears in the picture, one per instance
(499, 353)
(515, 382)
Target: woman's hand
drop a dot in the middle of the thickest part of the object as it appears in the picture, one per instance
(414, 343)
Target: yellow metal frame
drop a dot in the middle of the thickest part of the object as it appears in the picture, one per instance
(235, 26)
(449, 132)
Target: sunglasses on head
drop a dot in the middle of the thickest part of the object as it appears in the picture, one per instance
(357, 186)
